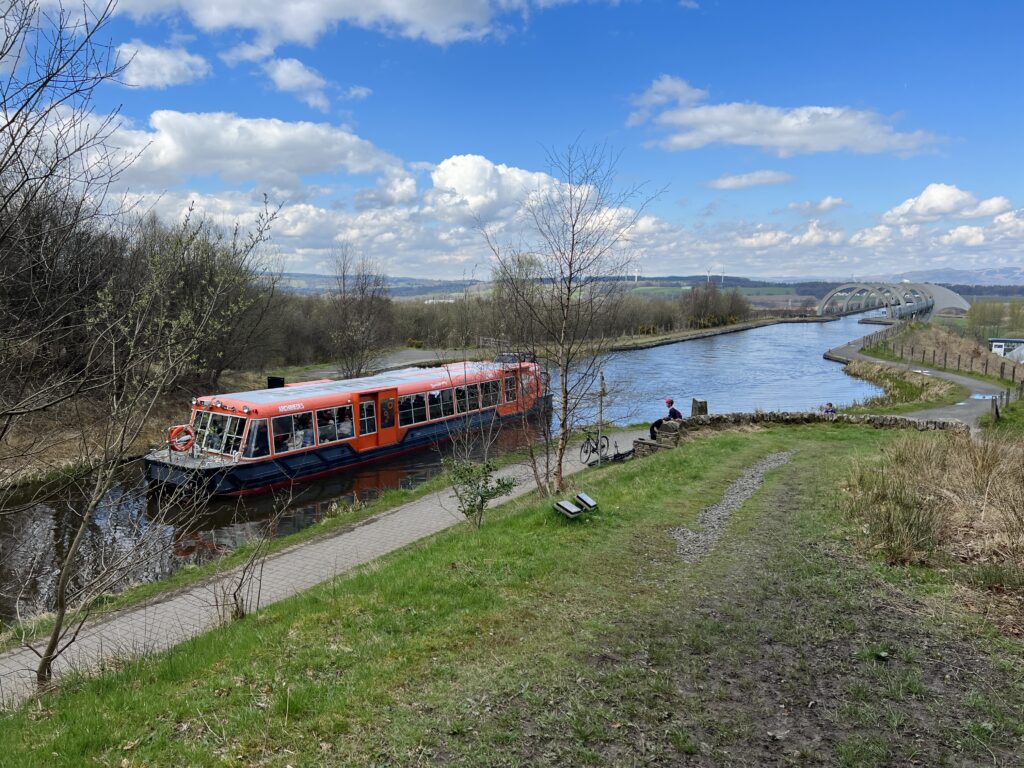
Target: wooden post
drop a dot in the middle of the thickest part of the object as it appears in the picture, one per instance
(944, 356)
(986, 367)
(1001, 366)
(958, 362)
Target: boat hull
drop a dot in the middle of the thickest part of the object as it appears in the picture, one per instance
(249, 477)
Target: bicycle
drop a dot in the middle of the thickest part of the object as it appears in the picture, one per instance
(590, 447)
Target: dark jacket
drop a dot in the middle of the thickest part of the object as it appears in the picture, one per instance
(674, 414)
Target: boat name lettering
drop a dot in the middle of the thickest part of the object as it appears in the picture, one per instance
(290, 407)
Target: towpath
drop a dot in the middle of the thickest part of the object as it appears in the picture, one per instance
(177, 616)
(968, 411)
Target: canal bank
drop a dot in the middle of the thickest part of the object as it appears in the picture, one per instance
(774, 367)
(970, 410)
(541, 641)
(176, 615)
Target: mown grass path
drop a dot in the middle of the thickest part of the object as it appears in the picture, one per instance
(541, 641)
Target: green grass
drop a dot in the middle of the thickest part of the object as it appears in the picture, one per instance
(767, 290)
(903, 394)
(956, 324)
(538, 640)
(659, 292)
(1011, 419)
(12, 636)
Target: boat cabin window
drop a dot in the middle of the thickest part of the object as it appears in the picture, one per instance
(412, 409)
(218, 432)
(468, 398)
(441, 404)
(334, 424)
(293, 431)
(367, 418)
(490, 393)
(257, 444)
(510, 389)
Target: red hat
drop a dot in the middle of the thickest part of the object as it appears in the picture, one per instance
(669, 401)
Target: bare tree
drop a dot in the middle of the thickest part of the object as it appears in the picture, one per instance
(360, 311)
(56, 167)
(565, 284)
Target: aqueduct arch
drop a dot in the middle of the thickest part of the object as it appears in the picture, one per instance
(898, 299)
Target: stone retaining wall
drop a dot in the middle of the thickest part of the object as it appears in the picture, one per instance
(673, 432)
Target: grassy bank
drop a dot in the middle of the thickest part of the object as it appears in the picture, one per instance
(944, 350)
(627, 343)
(1011, 420)
(904, 390)
(547, 642)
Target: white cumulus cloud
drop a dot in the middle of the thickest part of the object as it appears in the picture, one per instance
(939, 201)
(784, 131)
(812, 207)
(871, 237)
(964, 235)
(151, 67)
(292, 76)
(275, 22)
(267, 151)
(474, 186)
(815, 234)
(752, 179)
(766, 238)
(357, 93)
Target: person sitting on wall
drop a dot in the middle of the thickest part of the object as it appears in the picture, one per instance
(829, 409)
(673, 414)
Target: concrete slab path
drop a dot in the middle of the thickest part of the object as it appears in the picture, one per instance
(175, 617)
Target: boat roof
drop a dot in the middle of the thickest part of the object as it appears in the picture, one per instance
(437, 377)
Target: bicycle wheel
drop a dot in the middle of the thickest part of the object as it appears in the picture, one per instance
(604, 447)
(585, 450)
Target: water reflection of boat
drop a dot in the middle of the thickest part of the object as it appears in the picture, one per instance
(251, 442)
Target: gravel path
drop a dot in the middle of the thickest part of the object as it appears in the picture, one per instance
(692, 544)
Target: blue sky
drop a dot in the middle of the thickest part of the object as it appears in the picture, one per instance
(790, 138)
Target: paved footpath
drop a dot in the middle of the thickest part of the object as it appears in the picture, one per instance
(967, 411)
(175, 617)
(178, 616)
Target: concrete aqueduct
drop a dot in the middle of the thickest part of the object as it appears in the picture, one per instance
(898, 299)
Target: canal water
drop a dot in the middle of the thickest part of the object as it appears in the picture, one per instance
(141, 538)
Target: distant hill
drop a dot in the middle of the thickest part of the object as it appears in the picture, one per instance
(402, 287)
(988, 276)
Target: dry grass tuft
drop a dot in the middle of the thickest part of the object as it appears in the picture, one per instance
(948, 347)
(900, 386)
(948, 494)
